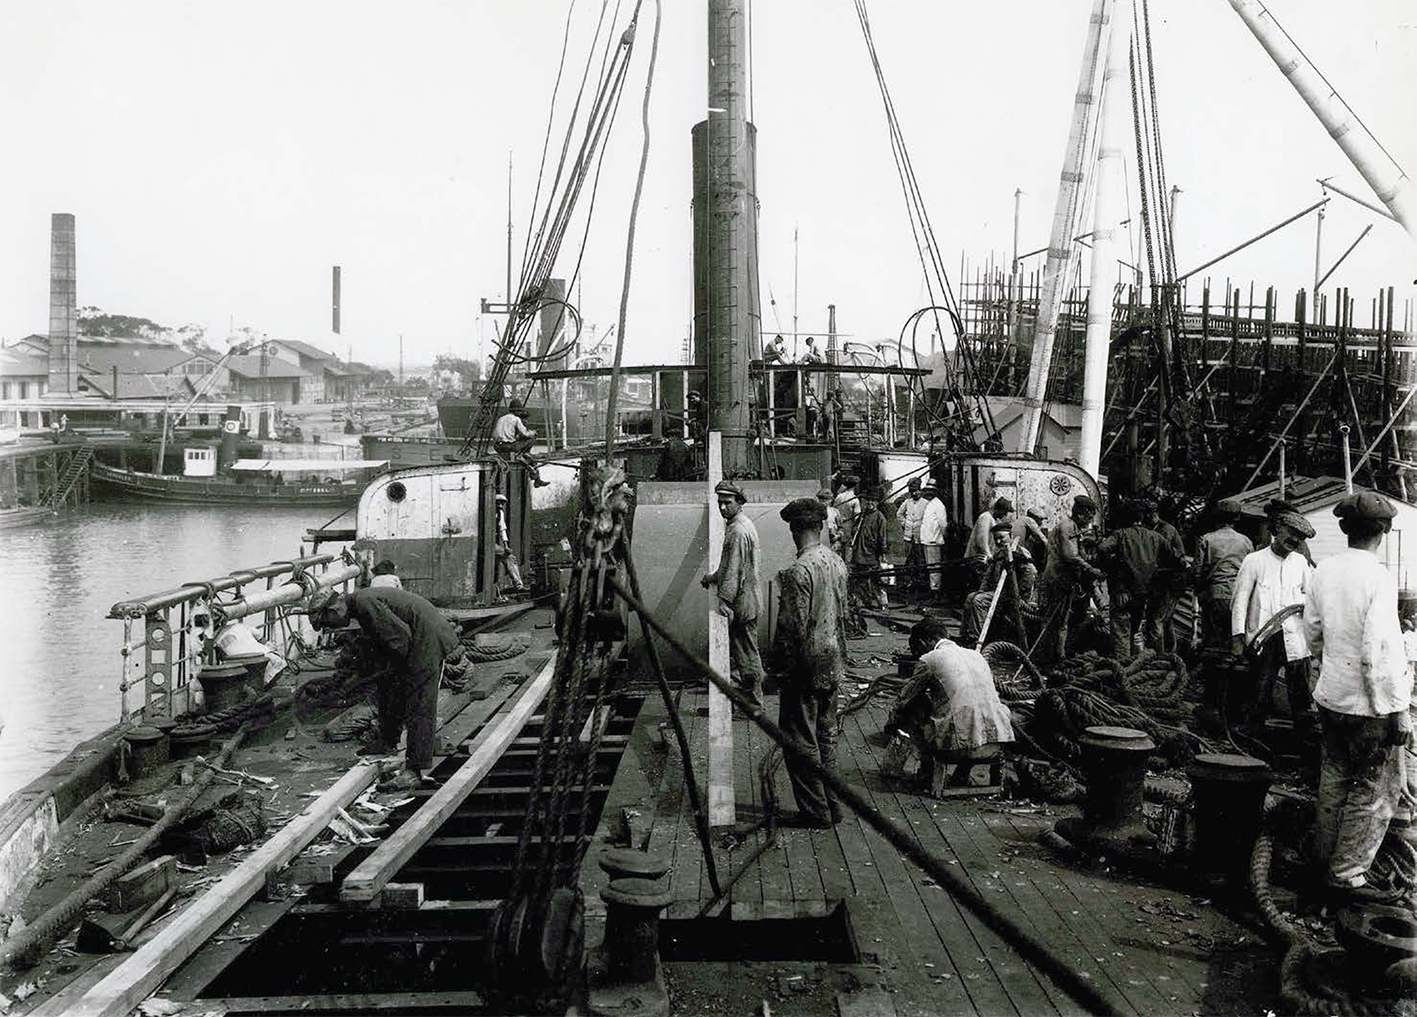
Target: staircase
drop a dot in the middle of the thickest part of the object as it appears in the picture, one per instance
(78, 464)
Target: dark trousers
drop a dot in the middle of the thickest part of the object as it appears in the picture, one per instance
(1258, 700)
(744, 661)
(410, 701)
(808, 717)
(914, 561)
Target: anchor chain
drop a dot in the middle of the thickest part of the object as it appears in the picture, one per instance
(536, 934)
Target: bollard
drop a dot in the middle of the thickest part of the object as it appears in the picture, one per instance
(224, 686)
(1229, 792)
(628, 863)
(1375, 937)
(148, 751)
(255, 665)
(632, 908)
(1114, 765)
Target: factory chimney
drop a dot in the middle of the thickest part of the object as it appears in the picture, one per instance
(63, 307)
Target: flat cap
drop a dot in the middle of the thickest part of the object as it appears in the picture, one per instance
(825, 493)
(1296, 522)
(730, 488)
(1037, 516)
(1364, 505)
(500, 496)
(321, 599)
(1229, 507)
(930, 486)
(914, 483)
(850, 480)
(1001, 528)
(803, 512)
(1084, 501)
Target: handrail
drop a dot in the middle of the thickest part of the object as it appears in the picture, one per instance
(191, 592)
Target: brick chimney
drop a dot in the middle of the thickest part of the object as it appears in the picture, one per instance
(63, 307)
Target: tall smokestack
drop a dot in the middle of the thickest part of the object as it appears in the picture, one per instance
(727, 313)
(63, 307)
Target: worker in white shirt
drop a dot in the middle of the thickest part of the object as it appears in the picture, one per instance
(1271, 580)
(932, 535)
(385, 573)
(507, 558)
(911, 511)
(1363, 693)
(513, 439)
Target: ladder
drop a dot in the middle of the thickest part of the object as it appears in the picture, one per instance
(78, 463)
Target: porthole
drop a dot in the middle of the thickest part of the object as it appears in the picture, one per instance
(396, 491)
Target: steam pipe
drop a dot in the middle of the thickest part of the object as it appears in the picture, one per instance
(289, 593)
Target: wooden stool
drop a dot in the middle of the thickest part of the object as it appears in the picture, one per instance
(962, 762)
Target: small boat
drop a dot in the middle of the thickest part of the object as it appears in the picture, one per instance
(246, 482)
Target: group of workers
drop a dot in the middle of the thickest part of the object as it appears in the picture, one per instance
(1333, 632)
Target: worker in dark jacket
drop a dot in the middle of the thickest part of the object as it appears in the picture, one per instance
(868, 551)
(413, 637)
(810, 654)
(1132, 556)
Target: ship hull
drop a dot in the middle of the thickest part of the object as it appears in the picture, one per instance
(112, 483)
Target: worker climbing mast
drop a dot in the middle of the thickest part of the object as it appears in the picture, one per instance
(727, 313)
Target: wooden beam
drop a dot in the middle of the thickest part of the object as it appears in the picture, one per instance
(722, 811)
(370, 876)
(136, 978)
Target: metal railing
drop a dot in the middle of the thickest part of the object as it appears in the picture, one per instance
(169, 636)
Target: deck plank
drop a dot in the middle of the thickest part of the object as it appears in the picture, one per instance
(685, 876)
(929, 939)
(748, 748)
(999, 980)
(1153, 976)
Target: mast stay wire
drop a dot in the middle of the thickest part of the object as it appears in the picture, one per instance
(922, 231)
(555, 220)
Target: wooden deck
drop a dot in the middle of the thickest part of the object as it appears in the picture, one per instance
(1155, 949)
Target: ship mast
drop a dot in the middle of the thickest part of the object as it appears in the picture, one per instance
(1065, 216)
(727, 315)
(1378, 168)
(1106, 212)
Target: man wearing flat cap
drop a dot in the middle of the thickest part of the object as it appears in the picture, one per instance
(868, 551)
(933, 523)
(848, 507)
(1363, 695)
(809, 651)
(1219, 554)
(737, 581)
(413, 637)
(909, 514)
(1066, 575)
(1271, 579)
(1014, 565)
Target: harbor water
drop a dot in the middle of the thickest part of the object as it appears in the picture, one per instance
(60, 665)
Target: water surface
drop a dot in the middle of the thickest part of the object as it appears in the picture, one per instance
(59, 661)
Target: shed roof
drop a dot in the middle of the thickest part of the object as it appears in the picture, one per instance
(1306, 494)
(250, 367)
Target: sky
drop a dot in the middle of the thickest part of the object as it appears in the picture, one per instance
(221, 155)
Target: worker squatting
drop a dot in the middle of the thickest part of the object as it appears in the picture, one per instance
(1333, 633)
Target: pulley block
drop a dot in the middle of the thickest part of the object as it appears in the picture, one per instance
(534, 952)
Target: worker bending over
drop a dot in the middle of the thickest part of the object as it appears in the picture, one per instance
(1272, 580)
(413, 637)
(810, 654)
(1363, 694)
(737, 581)
(950, 708)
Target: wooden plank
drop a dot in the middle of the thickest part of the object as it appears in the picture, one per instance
(1024, 987)
(370, 875)
(394, 1002)
(686, 871)
(133, 980)
(722, 811)
(745, 774)
(933, 934)
(869, 1002)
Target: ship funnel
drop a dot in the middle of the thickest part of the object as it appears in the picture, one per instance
(230, 433)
